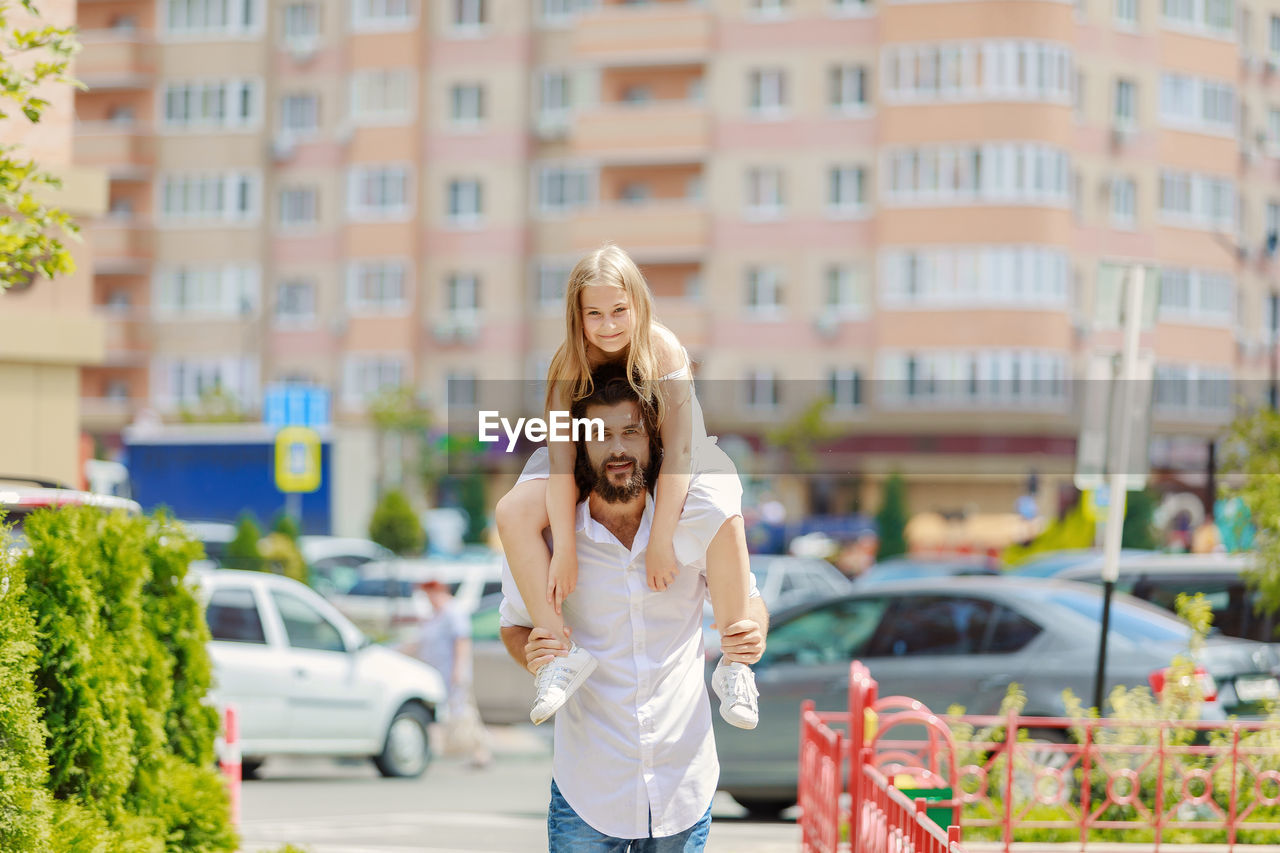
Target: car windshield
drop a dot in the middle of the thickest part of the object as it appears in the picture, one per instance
(1128, 619)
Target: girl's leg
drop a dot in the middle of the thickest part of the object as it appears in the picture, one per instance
(521, 516)
(728, 573)
(729, 582)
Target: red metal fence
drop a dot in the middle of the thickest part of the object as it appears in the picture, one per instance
(1152, 783)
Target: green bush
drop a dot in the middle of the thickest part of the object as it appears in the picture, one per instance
(242, 551)
(395, 526)
(891, 519)
(281, 556)
(121, 672)
(25, 804)
(288, 525)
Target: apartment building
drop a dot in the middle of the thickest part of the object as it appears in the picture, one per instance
(914, 207)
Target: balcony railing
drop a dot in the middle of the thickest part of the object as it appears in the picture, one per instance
(116, 146)
(655, 228)
(655, 130)
(116, 59)
(651, 33)
(121, 245)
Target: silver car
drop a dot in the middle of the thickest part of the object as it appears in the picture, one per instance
(962, 641)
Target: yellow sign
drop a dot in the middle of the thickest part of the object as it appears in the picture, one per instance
(297, 459)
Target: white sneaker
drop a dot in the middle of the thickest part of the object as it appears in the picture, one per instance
(735, 684)
(557, 680)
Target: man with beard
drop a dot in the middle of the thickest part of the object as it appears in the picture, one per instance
(634, 764)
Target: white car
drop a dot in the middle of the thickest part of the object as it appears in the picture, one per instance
(336, 561)
(306, 681)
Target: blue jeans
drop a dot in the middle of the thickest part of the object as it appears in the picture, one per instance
(568, 833)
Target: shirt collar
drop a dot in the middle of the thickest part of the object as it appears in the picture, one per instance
(597, 532)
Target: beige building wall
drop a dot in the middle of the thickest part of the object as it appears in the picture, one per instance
(49, 331)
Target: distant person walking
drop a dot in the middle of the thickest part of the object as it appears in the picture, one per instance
(444, 642)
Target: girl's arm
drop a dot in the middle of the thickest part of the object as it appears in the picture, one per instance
(673, 480)
(562, 501)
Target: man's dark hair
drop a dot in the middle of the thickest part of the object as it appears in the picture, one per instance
(609, 388)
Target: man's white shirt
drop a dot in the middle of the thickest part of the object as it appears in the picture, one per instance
(635, 739)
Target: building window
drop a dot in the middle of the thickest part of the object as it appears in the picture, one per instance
(844, 293)
(460, 388)
(206, 291)
(1273, 38)
(1126, 13)
(466, 103)
(971, 276)
(209, 198)
(1124, 202)
(227, 104)
(847, 88)
(994, 173)
(563, 188)
(767, 92)
(211, 17)
(376, 287)
(381, 15)
(1126, 103)
(299, 206)
(1197, 201)
(764, 293)
(555, 97)
(845, 387)
(188, 382)
(1192, 390)
(466, 201)
(366, 375)
(768, 8)
(851, 7)
(1197, 296)
(558, 13)
(1192, 103)
(468, 14)
(975, 378)
(300, 114)
(378, 192)
(550, 281)
(300, 23)
(847, 190)
(381, 96)
(1215, 17)
(760, 390)
(989, 70)
(295, 303)
(462, 297)
(765, 196)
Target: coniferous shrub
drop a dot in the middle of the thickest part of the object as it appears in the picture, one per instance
(395, 526)
(25, 804)
(242, 551)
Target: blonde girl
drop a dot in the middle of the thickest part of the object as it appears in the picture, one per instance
(609, 319)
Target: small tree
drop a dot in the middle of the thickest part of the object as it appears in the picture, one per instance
(1252, 473)
(242, 551)
(287, 525)
(29, 245)
(891, 520)
(473, 504)
(1139, 527)
(395, 526)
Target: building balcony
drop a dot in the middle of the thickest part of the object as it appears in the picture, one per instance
(654, 131)
(107, 414)
(121, 245)
(648, 34)
(121, 148)
(128, 336)
(651, 231)
(116, 59)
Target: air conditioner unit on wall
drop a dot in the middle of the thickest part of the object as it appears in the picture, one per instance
(282, 147)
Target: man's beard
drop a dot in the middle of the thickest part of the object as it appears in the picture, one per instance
(628, 490)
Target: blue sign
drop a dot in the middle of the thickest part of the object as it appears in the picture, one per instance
(296, 405)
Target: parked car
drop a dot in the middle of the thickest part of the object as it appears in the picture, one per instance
(962, 641)
(503, 690)
(21, 496)
(783, 581)
(1052, 563)
(306, 681)
(386, 601)
(1160, 578)
(335, 562)
(922, 567)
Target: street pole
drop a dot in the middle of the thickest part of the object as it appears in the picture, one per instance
(293, 507)
(1119, 470)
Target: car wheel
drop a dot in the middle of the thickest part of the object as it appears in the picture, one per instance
(407, 750)
(763, 809)
(249, 768)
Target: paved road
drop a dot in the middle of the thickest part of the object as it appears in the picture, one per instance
(331, 807)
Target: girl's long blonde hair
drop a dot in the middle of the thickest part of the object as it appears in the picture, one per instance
(607, 265)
